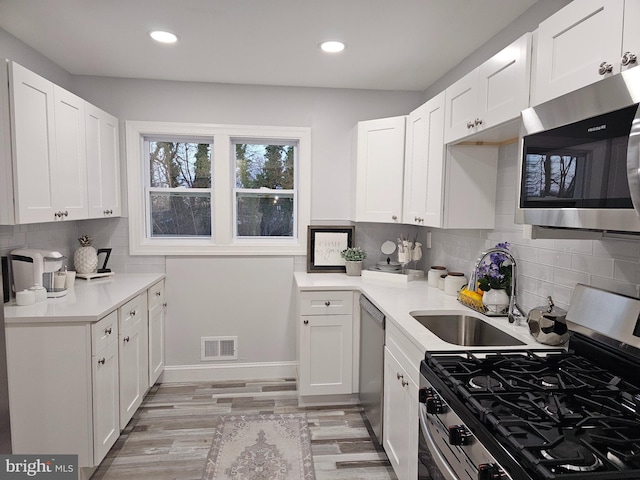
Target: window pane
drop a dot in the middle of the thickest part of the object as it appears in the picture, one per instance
(180, 164)
(264, 215)
(180, 214)
(264, 166)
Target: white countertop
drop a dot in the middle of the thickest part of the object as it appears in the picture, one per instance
(397, 301)
(88, 301)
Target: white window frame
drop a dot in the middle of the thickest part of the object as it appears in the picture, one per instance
(222, 241)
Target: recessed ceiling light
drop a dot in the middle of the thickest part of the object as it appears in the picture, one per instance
(332, 46)
(163, 37)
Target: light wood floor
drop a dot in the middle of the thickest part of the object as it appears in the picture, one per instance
(170, 435)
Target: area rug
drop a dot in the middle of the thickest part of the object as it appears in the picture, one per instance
(261, 447)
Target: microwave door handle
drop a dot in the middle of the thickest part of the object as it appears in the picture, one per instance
(438, 458)
(633, 162)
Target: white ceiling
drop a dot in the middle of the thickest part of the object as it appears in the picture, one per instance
(391, 44)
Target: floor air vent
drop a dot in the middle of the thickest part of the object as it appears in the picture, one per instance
(218, 348)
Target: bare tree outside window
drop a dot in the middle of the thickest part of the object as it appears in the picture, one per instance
(265, 190)
(180, 188)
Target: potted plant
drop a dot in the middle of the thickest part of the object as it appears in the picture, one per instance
(494, 279)
(353, 257)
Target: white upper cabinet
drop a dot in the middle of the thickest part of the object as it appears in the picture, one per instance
(630, 35)
(424, 164)
(379, 170)
(581, 44)
(103, 169)
(490, 95)
(53, 134)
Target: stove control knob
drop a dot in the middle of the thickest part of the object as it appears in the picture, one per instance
(459, 435)
(490, 471)
(425, 393)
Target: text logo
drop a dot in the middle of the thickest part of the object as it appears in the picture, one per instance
(595, 129)
(49, 467)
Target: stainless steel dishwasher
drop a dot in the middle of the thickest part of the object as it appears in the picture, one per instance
(372, 324)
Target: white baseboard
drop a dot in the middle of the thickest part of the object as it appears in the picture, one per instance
(231, 371)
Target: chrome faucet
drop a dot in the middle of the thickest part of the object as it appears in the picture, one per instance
(514, 313)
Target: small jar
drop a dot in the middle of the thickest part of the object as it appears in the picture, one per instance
(454, 283)
(441, 282)
(434, 274)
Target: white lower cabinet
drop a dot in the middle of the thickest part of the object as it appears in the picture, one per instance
(106, 386)
(133, 356)
(325, 343)
(400, 416)
(157, 307)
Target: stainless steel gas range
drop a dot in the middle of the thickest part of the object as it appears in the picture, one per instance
(536, 414)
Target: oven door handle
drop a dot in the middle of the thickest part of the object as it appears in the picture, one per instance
(441, 462)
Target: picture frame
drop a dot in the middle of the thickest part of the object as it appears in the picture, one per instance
(324, 244)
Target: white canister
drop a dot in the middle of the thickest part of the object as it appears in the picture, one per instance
(454, 283)
(25, 297)
(441, 282)
(434, 274)
(39, 292)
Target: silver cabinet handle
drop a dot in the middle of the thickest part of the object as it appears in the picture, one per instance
(164, 304)
(605, 68)
(394, 217)
(306, 322)
(126, 339)
(327, 303)
(470, 125)
(404, 383)
(102, 360)
(628, 58)
(399, 376)
(132, 313)
(158, 293)
(65, 213)
(107, 331)
(108, 212)
(477, 121)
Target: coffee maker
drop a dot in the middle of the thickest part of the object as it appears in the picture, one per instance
(33, 267)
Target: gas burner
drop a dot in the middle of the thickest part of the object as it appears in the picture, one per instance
(484, 382)
(555, 409)
(578, 457)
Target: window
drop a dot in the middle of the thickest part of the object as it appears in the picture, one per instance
(216, 189)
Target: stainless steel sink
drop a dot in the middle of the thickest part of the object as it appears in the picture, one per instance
(466, 330)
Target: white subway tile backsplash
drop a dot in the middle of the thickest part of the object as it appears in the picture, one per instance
(569, 278)
(554, 258)
(617, 248)
(594, 265)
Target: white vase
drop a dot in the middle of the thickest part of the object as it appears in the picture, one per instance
(354, 269)
(85, 259)
(496, 300)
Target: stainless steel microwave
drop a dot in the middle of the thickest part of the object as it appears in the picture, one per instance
(580, 158)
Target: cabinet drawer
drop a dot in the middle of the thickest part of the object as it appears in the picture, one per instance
(155, 294)
(104, 332)
(326, 303)
(133, 312)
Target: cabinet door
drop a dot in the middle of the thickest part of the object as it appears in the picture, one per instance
(134, 370)
(380, 170)
(69, 178)
(424, 164)
(631, 35)
(503, 84)
(461, 109)
(400, 431)
(33, 142)
(573, 43)
(103, 165)
(156, 342)
(105, 401)
(326, 347)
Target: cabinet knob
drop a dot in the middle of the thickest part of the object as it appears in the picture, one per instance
(628, 58)
(158, 293)
(164, 304)
(477, 121)
(404, 383)
(132, 313)
(605, 68)
(65, 213)
(399, 376)
(306, 322)
(126, 339)
(108, 331)
(470, 125)
(327, 303)
(108, 212)
(102, 360)
(57, 214)
(394, 217)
